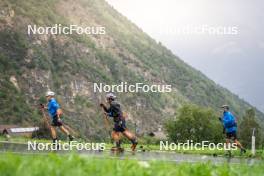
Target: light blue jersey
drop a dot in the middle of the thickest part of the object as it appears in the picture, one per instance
(53, 106)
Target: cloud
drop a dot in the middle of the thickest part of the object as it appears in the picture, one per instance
(261, 44)
(229, 48)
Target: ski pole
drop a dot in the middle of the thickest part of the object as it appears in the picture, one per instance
(46, 121)
(107, 125)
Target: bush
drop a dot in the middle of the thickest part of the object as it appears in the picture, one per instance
(194, 123)
(246, 128)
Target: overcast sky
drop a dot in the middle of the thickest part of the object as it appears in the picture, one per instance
(234, 59)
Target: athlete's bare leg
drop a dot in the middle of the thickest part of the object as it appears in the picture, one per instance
(53, 132)
(238, 143)
(243, 150)
(64, 130)
(116, 137)
(132, 138)
(129, 135)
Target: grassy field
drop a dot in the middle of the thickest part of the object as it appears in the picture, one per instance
(52, 164)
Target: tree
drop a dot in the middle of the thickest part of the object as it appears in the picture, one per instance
(246, 128)
(194, 123)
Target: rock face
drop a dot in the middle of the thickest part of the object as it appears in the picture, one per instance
(70, 65)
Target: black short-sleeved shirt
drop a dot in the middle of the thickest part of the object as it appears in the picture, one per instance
(114, 111)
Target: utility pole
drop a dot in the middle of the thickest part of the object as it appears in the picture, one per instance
(253, 144)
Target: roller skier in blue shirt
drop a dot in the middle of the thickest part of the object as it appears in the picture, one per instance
(55, 113)
(230, 127)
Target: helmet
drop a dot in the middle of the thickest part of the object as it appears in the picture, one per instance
(50, 93)
(225, 106)
(111, 96)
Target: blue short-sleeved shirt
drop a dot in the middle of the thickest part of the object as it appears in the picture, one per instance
(227, 117)
(53, 106)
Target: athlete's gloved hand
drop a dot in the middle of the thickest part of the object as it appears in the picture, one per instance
(120, 123)
(220, 119)
(59, 112)
(102, 105)
(42, 107)
(59, 120)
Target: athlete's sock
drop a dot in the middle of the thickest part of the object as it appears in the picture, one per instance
(118, 144)
(134, 141)
(54, 140)
(70, 137)
(243, 150)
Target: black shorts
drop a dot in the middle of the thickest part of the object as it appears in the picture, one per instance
(55, 121)
(231, 135)
(120, 126)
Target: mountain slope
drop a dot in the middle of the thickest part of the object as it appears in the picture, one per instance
(70, 64)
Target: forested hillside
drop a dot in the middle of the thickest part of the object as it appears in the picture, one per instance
(70, 64)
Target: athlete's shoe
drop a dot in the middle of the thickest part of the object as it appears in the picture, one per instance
(228, 154)
(242, 151)
(71, 138)
(55, 143)
(117, 149)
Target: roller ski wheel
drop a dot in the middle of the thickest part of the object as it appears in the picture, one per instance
(117, 150)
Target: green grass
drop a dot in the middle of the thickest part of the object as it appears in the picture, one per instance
(12, 164)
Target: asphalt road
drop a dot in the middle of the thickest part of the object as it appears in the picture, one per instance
(22, 148)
